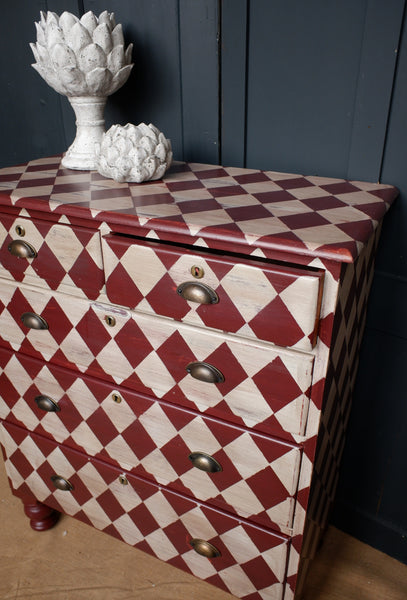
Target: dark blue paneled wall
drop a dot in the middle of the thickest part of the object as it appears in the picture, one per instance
(317, 87)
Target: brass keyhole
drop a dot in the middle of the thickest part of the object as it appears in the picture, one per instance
(123, 480)
(111, 321)
(20, 230)
(197, 272)
(116, 397)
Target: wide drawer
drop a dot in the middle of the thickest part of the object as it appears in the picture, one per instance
(251, 562)
(62, 255)
(254, 298)
(247, 382)
(253, 476)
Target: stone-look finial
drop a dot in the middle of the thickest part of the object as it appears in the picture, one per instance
(84, 59)
(134, 153)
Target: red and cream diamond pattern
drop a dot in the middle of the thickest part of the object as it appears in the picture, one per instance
(259, 476)
(264, 388)
(67, 257)
(272, 303)
(315, 216)
(252, 562)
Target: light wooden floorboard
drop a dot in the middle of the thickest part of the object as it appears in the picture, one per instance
(75, 562)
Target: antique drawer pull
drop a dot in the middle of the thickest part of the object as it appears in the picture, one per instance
(197, 292)
(204, 548)
(46, 404)
(61, 484)
(205, 462)
(33, 321)
(205, 372)
(22, 249)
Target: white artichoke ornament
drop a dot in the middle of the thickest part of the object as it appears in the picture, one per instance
(84, 59)
(134, 153)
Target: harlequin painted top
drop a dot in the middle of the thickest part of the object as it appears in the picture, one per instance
(242, 208)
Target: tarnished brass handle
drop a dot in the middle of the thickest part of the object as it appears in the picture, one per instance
(46, 404)
(61, 483)
(197, 292)
(22, 249)
(205, 372)
(33, 321)
(205, 462)
(204, 548)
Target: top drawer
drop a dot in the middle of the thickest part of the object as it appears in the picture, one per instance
(51, 255)
(269, 301)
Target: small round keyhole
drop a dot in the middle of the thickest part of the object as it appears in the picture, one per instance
(20, 230)
(123, 480)
(116, 398)
(111, 321)
(197, 272)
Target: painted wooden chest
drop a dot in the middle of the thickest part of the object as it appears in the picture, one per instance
(177, 358)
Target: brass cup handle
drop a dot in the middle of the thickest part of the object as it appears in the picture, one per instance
(205, 372)
(46, 404)
(22, 249)
(61, 483)
(205, 462)
(33, 321)
(197, 292)
(204, 548)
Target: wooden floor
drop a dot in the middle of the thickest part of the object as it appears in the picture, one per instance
(72, 561)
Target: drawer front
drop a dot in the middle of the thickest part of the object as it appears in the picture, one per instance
(64, 255)
(251, 563)
(275, 303)
(262, 387)
(253, 476)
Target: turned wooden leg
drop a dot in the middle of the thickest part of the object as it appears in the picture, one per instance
(41, 516)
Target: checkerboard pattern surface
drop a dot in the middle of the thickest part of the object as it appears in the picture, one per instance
(252, 561)
(275, 303)
(265, 388)
(68, 258)
(313, 216)
(259, 476)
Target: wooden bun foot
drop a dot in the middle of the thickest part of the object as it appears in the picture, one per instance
(41, 516)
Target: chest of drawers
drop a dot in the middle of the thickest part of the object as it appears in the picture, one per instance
(177, 358)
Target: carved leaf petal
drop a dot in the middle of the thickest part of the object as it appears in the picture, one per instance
(73, 81)
(148, 144)
(54, 35)
(35, 52)
(127, 54)
(63, 56)
(89, 21)
(117, 35)
(66, 21)
(120, 78)
(115, 60)
(103, 38)
(50, 77)
(78, 37)
(150, 164)
(104, 17)
(40, 35)
(91, 57)
(99, 81)
(52, 19)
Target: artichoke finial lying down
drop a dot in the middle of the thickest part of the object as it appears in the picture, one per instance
(134, 153)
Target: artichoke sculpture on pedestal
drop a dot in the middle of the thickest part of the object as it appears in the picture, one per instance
(84, 59)
(134, 153)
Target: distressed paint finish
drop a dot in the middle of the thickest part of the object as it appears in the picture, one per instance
(262, 421)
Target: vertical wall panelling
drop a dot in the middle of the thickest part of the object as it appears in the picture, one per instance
(371, 500)
(303, 69)
(234, 30)
(200, 72)
(30, 116)
(152, 93)
(376, 72)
